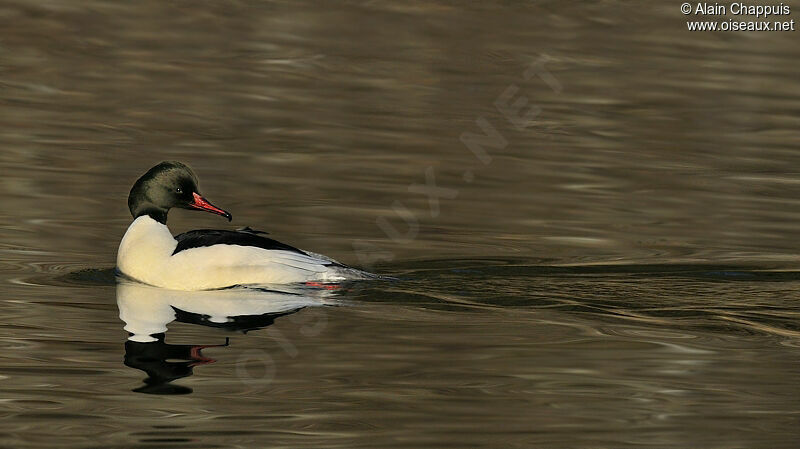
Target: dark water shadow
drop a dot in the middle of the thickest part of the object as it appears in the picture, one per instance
(757, 298)
(493, 267)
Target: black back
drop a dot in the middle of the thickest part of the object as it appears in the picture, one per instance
(243, 237)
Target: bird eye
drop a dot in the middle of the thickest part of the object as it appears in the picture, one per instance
(178, 190)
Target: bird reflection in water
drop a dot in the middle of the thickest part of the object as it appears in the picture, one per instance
(147, 311)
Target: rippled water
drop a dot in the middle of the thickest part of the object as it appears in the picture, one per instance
(620, 272)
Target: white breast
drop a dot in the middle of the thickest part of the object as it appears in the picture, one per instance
(145, 254)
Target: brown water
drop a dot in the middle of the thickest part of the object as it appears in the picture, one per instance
(620, 272)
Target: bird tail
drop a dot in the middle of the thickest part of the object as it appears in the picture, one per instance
(341, 272)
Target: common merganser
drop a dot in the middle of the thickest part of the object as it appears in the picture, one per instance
(208, 259)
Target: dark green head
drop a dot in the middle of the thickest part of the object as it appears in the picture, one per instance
(167, 185)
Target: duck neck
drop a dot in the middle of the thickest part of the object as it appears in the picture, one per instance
(140, 204)
(159, 215)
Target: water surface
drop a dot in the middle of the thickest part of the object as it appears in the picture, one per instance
(620, 272)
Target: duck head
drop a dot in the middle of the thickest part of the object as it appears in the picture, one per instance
(167, 185)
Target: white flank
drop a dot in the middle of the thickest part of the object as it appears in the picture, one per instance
(145, 254)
